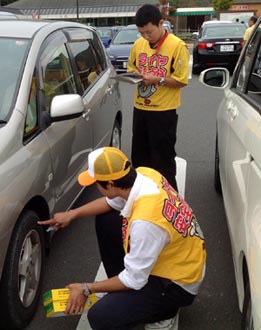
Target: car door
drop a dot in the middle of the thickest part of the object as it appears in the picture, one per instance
(99, 91)
(69, 141)
(243, 151)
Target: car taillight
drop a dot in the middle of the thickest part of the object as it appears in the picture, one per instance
(205, 45)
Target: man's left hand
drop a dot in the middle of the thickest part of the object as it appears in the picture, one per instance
(76, 300)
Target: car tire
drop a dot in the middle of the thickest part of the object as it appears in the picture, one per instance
(247, 318)
(217, 182)
(22, 274)
(116, 135)
(196, 70)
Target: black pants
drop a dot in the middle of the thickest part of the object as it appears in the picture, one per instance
(154, 136)
(123, 310)
(158, 300)
(109, 234)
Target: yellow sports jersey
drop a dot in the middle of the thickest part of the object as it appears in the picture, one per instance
(183, 259)
(248, 32)
(172, 60)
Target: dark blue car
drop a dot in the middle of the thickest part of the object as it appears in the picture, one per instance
(120, 46)
(107, 33)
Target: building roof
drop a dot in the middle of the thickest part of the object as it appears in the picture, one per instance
(100, 8)
(28, 4)
(86, 8)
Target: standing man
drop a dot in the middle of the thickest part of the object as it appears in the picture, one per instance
(164, 262)
(163, 61)
(251, 23)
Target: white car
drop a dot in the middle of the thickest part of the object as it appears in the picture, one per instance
(238, 170)
(58, 103)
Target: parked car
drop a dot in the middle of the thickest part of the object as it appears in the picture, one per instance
(106, 33)
(7, 15)
(167, 26)
(120, 46)
(238, 170)
(58, 103)
(219, 43)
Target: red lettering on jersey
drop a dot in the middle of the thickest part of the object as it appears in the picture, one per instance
(142, 59)
(176, 210)
(169, 211)
(124, 229)
(185, 212)
(154, 64)
(182, 225)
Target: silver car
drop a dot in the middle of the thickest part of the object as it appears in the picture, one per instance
(238, 170)
(58, 103)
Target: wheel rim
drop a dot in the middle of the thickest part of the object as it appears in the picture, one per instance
(116, 138)
(29, 271)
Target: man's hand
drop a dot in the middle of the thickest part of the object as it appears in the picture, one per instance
(149, 79)
(76, 300)
(59, 220)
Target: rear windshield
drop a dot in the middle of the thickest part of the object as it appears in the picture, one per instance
(219, 31)
(105, 33)
(12, 56)
(128, 36)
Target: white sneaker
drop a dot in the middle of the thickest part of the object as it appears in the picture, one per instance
(170, 324)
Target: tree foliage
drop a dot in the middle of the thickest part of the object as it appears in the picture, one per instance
(222, 4)
(6, 2)
(191, 3)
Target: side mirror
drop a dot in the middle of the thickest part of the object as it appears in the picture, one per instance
(215, 77)
(64, 107)
(195, 35)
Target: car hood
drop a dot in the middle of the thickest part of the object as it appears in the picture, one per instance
(119, 50)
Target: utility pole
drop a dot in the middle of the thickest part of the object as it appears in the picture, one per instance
(77, 9)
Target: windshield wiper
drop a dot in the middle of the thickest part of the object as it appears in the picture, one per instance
(3, 121)
(126, 43)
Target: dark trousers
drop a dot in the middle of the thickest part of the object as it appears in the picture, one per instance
(158, 300)
(154, 136)
(109, 234)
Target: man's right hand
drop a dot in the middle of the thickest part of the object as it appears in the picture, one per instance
(59, 220)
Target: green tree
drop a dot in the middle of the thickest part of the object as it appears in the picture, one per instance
(190, 3)
(222, 4)
(6, 2)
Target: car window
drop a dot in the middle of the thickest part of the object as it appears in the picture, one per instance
(224, 31)
(248, 80)
(56, 71)
(105, 33)
(31, 120)
(86, 64)
(127, 36)
(12, 56)
(99, 52)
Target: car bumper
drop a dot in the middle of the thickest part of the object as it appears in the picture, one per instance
(120, 64)
(228, 60)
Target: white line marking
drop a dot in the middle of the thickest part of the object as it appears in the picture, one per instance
(101, 275)
(190, 66)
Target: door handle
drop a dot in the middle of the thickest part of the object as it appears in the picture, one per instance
(85, 115)
(232, 110)
(234, 113)
(109, 90)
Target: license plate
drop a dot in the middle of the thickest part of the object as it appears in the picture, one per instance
(227, 48)
(125, 65)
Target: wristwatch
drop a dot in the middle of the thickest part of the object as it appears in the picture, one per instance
(162, 81)
(86, 291)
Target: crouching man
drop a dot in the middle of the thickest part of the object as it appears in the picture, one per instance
(164, 262)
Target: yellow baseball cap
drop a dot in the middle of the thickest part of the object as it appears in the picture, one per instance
(104, 164)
